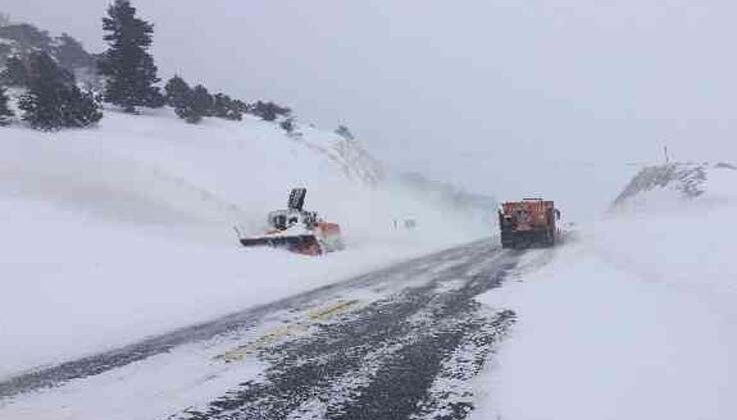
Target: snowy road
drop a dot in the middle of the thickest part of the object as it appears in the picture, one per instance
(400, 343)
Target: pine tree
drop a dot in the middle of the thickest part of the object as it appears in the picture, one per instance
(190, 104)
(200, 104)
(226, 108)
(177, 92)
(27, 37)
(241, 106)
(71, 54)
(42, 103)
(344, 132)
(287, 125)
(53, 101)
(269, 111)
(5, 111)
(179, 97)
(15, 73)
(82, 109)
(129, 68)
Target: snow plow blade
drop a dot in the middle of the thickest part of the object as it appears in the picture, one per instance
(296, 229)
(302, 244)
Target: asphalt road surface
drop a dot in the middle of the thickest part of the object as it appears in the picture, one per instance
(400, 343)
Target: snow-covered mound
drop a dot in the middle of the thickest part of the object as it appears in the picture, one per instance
(673, 184)
(125, 230)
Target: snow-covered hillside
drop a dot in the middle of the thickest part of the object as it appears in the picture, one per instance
(670, 186)
(635, 316)
(114, 233)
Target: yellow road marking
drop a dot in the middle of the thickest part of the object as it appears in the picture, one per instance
(331, 311)
(314, 316)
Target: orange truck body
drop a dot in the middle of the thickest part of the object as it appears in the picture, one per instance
(528, 222)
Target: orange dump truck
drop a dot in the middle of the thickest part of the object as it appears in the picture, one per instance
(529, 222)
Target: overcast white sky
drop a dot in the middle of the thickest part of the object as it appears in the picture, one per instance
(508, 97)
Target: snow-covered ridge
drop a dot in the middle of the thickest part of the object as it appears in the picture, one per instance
(672, 184)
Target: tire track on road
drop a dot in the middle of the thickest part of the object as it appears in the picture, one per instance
(387, 360)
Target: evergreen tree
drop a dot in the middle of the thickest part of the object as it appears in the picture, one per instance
(177, 92)
(241, 106)
(179, 97)
(129, 68)
(344, 132)
(5, 111)
(220, 105)
(287, 125)
(53, 101)
(190, 104)
(27, 38)
(71, 54)
(269, 111)
(15, 73)
(82, 109)
(226, 108)
(201, 103)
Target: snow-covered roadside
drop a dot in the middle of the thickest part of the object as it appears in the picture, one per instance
(634, 319)
(154, 388)
(112, 234)
(83, 285)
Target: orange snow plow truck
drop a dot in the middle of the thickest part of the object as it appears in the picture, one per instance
(529, 222)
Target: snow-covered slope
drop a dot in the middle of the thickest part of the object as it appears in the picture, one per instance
(635, 317)
(670, 185)
(114, 233)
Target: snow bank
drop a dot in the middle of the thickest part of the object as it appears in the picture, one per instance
(112, 234)
(634, 319)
